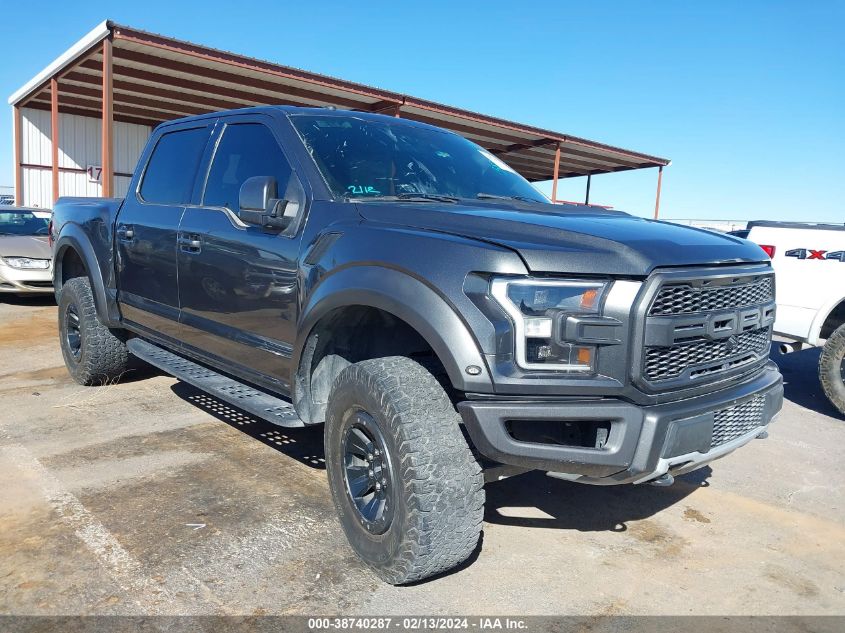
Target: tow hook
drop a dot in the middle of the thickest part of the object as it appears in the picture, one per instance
(762, 435)
(663, 481)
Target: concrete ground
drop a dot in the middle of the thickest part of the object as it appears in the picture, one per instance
(148, 497)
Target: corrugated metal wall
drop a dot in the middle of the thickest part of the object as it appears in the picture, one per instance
(35, 150)
(79, 147)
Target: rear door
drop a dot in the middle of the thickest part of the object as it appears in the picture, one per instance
(238, 282)
(147, 227)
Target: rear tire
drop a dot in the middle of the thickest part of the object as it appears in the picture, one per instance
(832, 370)
(426, 516)
(93, 354)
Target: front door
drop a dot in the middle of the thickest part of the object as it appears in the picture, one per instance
(237, 282)
(147, 227)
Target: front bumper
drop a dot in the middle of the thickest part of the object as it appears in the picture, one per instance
(643, 443)
(25, 281)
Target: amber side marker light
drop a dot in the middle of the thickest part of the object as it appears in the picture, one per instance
(585, 356)
(588, 299)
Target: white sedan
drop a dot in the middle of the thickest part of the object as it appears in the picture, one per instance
(25, 256)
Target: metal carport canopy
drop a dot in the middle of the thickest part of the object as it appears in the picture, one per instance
(125, 74)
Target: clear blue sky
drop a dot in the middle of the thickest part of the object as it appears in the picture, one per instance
(746, 98)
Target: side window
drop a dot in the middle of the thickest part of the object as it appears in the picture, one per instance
(169, 177)
(244, 151)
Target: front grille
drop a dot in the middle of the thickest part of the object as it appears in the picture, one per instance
(701, 327)
(685, 298)
(662, 363)
(736, 421)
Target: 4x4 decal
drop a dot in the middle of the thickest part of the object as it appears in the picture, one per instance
(809, 253)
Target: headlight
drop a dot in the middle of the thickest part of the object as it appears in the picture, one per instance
(539, 309)
(27, 263)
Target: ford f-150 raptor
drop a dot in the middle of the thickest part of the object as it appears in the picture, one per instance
(412, 292)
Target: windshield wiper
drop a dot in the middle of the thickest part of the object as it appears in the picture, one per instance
(493, 196)
(407, 197)
(427, 196)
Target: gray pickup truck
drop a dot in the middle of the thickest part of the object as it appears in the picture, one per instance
(414, 294)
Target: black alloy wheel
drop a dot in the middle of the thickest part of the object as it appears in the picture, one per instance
(367, 472)
(73, 337)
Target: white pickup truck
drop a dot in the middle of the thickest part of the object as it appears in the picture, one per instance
(809, 263)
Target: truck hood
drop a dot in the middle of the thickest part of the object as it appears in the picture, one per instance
(34, 246)
(572, 239)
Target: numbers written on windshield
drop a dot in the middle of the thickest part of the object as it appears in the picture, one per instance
(361, 190)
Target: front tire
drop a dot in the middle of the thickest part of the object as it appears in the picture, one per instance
(832, 368)
(93, 354)
(407, 489)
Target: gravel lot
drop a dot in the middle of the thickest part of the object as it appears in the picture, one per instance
(148, 497)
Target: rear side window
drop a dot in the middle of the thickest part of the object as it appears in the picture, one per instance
(169, 177)
(244, 151)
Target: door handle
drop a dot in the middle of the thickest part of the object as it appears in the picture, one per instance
(125, 233)
(190, 243)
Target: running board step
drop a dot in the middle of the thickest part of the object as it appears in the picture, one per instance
(258, 403)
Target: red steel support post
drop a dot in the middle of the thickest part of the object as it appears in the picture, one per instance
(657, 198)
(54, 134)
(108, 121)
(16, 113)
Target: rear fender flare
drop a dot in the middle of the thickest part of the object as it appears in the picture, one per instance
(73, 237)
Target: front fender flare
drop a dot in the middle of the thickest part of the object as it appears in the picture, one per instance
(412, 301)
(73, 237)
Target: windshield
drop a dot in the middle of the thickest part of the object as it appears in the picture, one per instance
(21, 223)
(366, 158)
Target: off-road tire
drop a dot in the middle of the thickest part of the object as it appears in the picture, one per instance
(102, 356)
(436, 481)
(830, 368)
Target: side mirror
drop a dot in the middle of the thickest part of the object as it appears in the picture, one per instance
(259, 203)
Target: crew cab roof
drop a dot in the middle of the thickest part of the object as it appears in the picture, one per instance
(293, 110)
